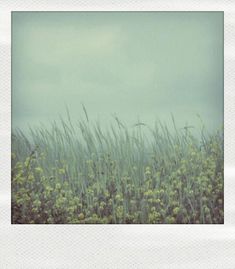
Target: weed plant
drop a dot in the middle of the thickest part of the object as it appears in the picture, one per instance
(79, 173)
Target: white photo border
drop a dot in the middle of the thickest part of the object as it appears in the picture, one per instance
(117, 246)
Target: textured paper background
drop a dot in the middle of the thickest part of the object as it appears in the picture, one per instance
(117, 246)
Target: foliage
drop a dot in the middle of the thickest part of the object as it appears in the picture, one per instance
(63, 175)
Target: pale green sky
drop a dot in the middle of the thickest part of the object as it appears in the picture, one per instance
(134, 64)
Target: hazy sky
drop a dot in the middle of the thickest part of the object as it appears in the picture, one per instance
(133, 64)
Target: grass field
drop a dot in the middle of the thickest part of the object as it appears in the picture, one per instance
(79, 173)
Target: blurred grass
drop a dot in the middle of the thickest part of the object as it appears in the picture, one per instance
(79, 173)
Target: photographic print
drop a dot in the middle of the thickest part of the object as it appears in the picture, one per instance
(117, 118)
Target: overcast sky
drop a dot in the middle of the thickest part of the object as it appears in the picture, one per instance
(143, 65)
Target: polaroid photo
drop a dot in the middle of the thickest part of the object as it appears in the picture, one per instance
(116, 133)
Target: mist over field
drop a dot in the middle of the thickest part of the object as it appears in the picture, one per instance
(137, 65)
(91, 86)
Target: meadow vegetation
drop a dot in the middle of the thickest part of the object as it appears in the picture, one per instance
(79, 173)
